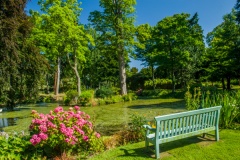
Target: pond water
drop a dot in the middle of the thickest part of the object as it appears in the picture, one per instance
(5, 122)
(107, 119)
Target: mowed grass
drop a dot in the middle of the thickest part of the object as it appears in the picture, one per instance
(193, 148)
(107, 118)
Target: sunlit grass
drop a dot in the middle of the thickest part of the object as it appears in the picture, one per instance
(194, 148)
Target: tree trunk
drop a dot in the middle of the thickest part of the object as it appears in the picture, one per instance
(57, 77)
(47, 84)
(223, 84)
(78, 80)
(122, 74)
(173, 82)
(153, 78)
(228, 83)
(74, 67)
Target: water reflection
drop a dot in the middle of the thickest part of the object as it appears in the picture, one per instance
(5, 122)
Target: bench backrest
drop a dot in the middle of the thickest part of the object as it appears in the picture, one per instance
(186, 122)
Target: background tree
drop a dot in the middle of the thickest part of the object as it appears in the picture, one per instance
(21, 65)
(146, 49)
(223, 53)
(177, 38)
(60, 35)
(116, 26)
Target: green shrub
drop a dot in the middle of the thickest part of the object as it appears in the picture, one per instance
(136, 127)
(49, 99)
(101, 102)
(116, 99)
(129, 97)
(85, 97)
(159, 83)
(104, 92)
(64, 131)
(17, 146)
(71, 94)
(72, 97)
(126, 98)
(133, 132)
(66, 101)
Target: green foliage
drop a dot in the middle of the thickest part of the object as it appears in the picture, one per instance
(159, 83)
(60, 36)
(21, 64)
(133, 132)
(17, 146)
(179, 44)
(222, 58)
(72, 97)
(116, 31)
(104, 92)
(230, 102)
(136, 127)
(129, 97)
(86, 97)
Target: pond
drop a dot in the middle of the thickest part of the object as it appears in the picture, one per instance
(107, 119)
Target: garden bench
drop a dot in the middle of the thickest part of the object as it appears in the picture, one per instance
(181, 125)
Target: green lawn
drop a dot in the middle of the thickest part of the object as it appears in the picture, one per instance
(194, 148)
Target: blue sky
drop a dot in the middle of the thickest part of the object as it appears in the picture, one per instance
(151, 11)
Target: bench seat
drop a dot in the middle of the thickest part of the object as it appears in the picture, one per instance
(181, 125)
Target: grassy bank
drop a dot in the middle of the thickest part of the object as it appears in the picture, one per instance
(195, 148)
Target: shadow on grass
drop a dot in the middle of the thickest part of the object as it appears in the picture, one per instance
(166, 147)
(172, 105)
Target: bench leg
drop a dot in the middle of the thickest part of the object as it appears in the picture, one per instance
(204, 135)
(146, 143)
(217, 134)
(157, 149)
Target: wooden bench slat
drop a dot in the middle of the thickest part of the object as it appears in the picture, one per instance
(181, 125)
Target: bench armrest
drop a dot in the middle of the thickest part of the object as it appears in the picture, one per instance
(149, 128)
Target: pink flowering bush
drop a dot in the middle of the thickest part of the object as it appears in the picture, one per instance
(64, 131)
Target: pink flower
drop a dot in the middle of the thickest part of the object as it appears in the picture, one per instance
(43, 128)
(58, 109)
(76, 108)
(97, 135)
(85, 138)
(87, 116)
(67, 140)
(43, 136)
(35, 136)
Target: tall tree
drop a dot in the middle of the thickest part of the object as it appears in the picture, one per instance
(224, 50)
(60, 35)
(237, 8)
(21, 64)
(116, 25)
(145, 48)
(177, 38)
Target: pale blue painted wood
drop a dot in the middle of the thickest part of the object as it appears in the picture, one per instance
(197, 122)
(187, 127)
(191, 124)
(177, 127)
(173, 121)
(181, 125)
(211, 121)
(165, 129)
